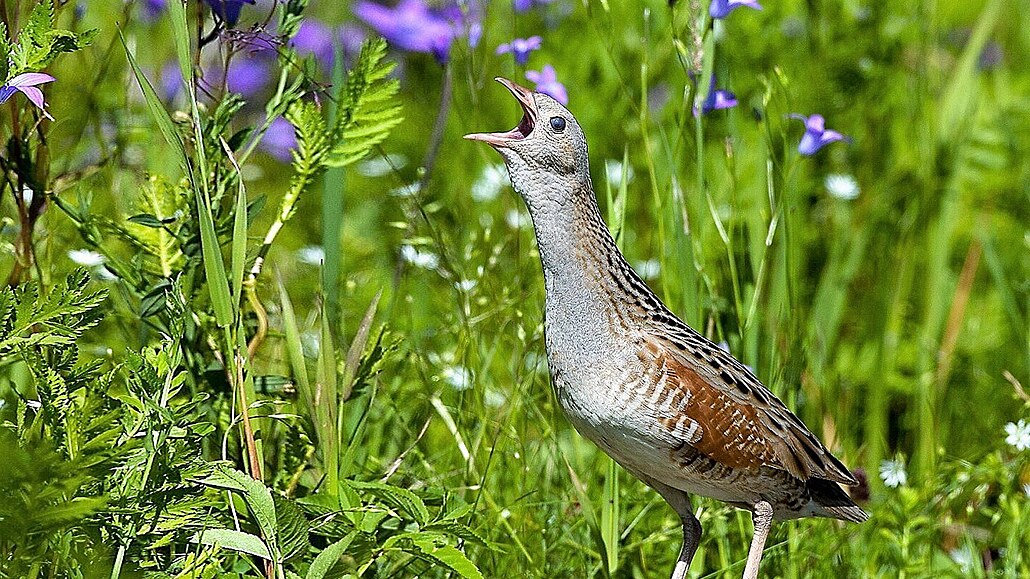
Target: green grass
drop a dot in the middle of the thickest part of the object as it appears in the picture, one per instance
(400, 410)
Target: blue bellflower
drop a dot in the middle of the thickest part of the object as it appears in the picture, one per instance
(717, 99)
(316, 39)
(280, 140)
(720, 9)
(547, 82)
(520, 47)
(27, 83)
(228, 11)
(411, 26)
(816, 134)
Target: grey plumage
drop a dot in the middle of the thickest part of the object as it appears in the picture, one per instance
(666, 403)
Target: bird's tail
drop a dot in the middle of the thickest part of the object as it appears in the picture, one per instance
(833, 502)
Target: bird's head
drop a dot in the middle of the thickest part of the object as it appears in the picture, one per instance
(546, 153)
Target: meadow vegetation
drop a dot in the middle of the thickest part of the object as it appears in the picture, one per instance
(266, 314)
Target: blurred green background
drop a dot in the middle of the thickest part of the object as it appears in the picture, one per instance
(880, 286)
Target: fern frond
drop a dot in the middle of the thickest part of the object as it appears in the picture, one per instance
(367, 110)
(59, 317)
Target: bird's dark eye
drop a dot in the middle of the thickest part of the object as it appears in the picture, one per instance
(558, 124)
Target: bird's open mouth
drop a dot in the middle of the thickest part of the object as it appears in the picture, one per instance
(525, 126)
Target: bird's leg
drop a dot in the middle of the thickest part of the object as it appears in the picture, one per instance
(680, 502)
(762, 517)
(691, 537)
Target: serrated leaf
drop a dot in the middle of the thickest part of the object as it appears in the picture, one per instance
(401, 499)
(255, 493)
(292, 528)
(366, 112)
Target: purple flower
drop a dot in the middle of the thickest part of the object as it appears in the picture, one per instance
(27, 83)
(351, 37)
(248, 75)
(521, 47)
(816, 135)
(721, 8)
(316, 39)
(716, 99)
(523, 5)
(228, 11)
(547, 82)
(280, 139)
(170, 80)
(152, 9)
(411, 25)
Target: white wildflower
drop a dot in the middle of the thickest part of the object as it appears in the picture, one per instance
(311, 344)
(409, 190)
(615, 171)
(465, 285)
(648, 269)
(311, 255)
(893, 473)
(842, 186)
(459, 377)
(517, 219)
(86, 257)
(494, 398)
(425, 259)
(379, 166)
(966, 559)
(490, 182)
(1018, 434)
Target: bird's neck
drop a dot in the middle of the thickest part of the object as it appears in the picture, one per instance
(570, 232)
(587, 278)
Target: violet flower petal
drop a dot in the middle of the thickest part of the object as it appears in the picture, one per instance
(546, 81)
(719, 9)
(816, 135)
(410, 26)
(30, 79)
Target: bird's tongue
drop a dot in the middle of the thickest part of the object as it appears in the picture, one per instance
(525, 126)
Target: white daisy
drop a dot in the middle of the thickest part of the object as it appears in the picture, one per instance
(893, 473)
(490, 182)
(615, 170)
(86, 257)
(425, 259)
(842, 186)
(1018, 434)
(311, 255)
(459, 377)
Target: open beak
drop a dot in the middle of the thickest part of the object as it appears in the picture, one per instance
(525, 126)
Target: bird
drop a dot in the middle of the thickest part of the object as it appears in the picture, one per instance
(667, 404)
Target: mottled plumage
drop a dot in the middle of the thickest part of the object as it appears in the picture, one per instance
(674, 409)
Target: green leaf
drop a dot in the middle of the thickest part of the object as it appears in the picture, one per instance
(147, 220)
(239, 232)
(234, 540)
(157, 110)
(366, 112)
(449, 557)
(292, 529)
(181, 34)
(214, 267)
(357, 346)
(256, 494)
(329, 557)
(403, 500)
